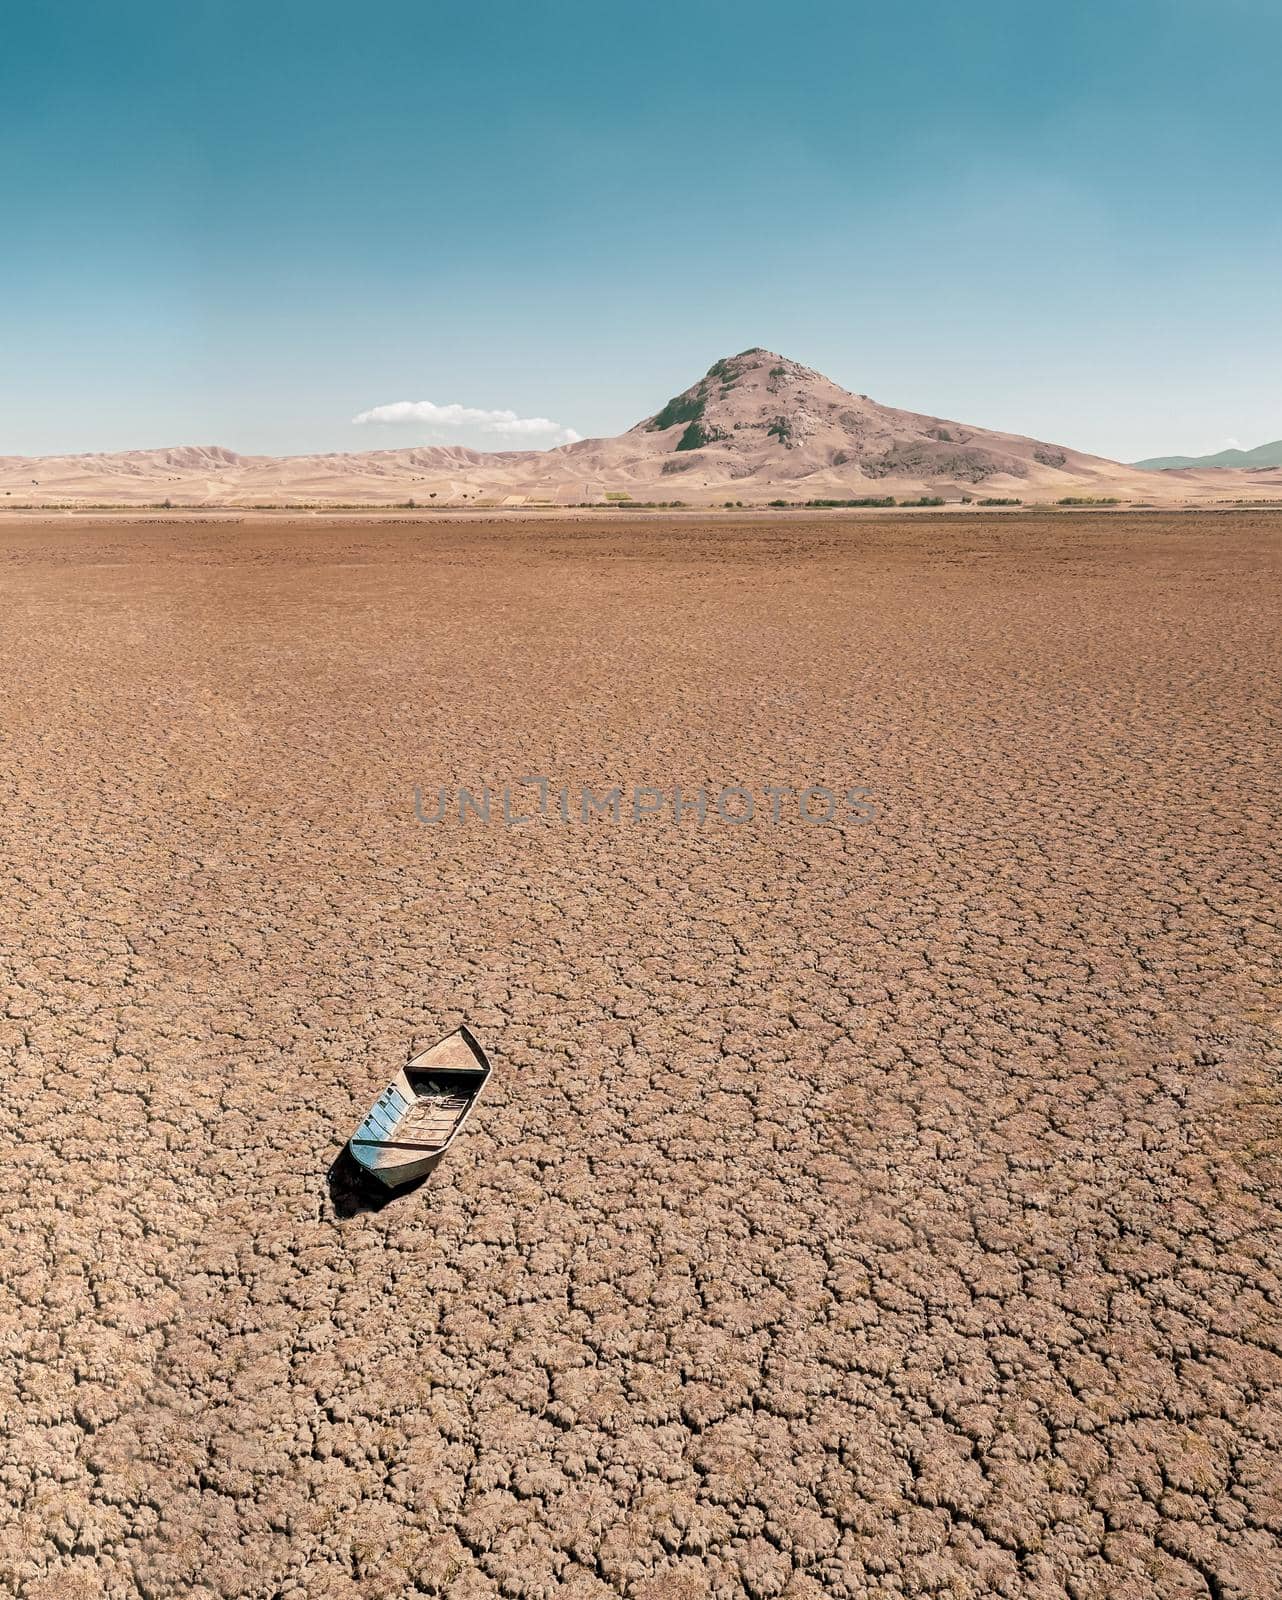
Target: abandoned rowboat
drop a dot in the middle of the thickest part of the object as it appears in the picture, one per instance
(422, 1111)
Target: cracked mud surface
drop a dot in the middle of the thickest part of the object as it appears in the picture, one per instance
(881, 1209)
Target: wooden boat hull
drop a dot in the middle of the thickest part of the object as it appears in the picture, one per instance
(408, 1130)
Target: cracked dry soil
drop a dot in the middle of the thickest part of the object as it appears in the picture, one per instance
(880, 1209)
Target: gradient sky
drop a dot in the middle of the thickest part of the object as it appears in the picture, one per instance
(246, 223)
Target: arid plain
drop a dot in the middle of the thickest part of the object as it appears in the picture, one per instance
(887, 1208)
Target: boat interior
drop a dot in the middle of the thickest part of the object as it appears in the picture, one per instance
(440, 1099)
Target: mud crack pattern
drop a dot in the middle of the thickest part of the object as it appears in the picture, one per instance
(860, 1211)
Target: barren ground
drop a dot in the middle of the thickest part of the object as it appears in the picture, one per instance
(878, 1209)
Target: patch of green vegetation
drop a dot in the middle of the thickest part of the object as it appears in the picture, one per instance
(681, 408)
(926, 500)
(873, 501)
(1088, 500)
(618, 495)
(696, 436)
(778, 372)
(993, 500)
(864, 500)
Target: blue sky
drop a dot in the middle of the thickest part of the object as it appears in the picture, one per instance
(247, 224)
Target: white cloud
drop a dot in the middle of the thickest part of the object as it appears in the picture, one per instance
(538, 431)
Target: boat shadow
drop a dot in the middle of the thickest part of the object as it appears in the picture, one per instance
(354, 1193)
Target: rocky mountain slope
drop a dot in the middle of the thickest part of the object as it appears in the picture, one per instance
(758, 414)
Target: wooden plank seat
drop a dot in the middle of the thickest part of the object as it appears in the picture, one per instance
(432, 1116)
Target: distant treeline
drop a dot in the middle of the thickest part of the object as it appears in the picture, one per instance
(881, 501)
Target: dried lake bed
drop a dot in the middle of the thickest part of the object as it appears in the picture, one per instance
(882, 1208)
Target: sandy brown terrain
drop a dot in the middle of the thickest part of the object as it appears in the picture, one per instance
(883, 1209)
(755, 428)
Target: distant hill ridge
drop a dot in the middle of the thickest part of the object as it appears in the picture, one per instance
(1264, 455)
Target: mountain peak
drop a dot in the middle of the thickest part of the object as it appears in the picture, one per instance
(732, 369)
(736, 393)
(759, 405)
(750, 360)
